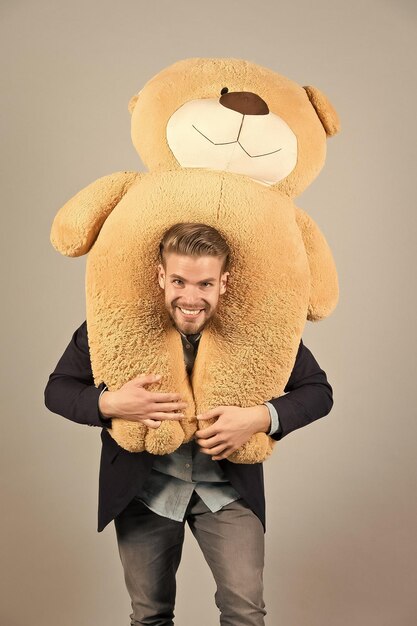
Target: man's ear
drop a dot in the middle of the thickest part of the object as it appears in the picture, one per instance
(223, 282)
(161, 276)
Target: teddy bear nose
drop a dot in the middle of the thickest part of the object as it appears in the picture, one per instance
(244, 102)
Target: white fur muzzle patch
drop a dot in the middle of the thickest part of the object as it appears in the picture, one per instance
(206, 134)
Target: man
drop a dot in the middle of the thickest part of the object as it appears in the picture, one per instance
(150, 497)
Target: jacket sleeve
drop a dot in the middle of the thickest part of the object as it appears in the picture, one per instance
(70, 390)
(308, 395)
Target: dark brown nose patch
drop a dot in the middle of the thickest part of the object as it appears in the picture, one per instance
(245, 102)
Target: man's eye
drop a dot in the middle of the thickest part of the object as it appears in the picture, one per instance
(177, 280)
(207, 284)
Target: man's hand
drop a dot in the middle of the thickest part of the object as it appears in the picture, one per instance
(234, 427)
(133, 402)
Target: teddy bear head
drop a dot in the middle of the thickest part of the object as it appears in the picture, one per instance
(234, 116)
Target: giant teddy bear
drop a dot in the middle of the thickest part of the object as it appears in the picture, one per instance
(230, 144)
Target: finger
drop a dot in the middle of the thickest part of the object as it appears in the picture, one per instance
(151, 423)
(169, 407)
(210, 442)
(158, 396)
(208, 432)
(146, 379)
(166, 416)
(215, 450)
(216, 412)
(223, 455)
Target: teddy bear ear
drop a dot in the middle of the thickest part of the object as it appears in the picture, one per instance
(324, 109)
(132, 102)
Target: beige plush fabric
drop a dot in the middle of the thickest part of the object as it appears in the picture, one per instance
(192, 79)
(282, 268)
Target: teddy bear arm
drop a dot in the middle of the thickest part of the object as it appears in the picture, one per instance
(324, 292)
(78, 222)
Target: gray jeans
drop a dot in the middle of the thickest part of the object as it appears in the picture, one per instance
(232, 542)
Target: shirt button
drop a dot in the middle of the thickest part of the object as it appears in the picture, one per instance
(187, 346)
(187, 465)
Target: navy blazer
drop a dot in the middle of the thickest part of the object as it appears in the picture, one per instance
(70, 392)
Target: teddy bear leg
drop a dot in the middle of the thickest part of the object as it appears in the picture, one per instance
(164, 439)
(129, 435)
(256, 450)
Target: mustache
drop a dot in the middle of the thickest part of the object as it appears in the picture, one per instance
(189, 306)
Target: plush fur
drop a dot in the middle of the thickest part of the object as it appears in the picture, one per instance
(282, 271)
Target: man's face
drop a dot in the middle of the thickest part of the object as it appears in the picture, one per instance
(192, 286)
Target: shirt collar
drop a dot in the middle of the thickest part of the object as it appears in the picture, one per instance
(191, 338)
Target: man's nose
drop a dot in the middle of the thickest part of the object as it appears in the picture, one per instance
(191, 295)
(244, 102)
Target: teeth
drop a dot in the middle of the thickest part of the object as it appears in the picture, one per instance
(190, 312)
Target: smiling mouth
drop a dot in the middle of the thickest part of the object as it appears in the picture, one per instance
(190, 312)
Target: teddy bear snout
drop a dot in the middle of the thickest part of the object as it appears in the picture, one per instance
(244, 102)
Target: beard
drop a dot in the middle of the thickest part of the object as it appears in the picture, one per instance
(186, 324)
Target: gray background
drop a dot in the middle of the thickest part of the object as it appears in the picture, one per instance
(341, 493)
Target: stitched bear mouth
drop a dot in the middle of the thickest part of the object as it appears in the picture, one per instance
(204, 134)
(228, 143)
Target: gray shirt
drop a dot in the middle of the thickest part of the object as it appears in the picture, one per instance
(174, 476)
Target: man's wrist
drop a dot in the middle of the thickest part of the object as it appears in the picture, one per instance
(264, 418)
(275, 423)
(103, 406)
